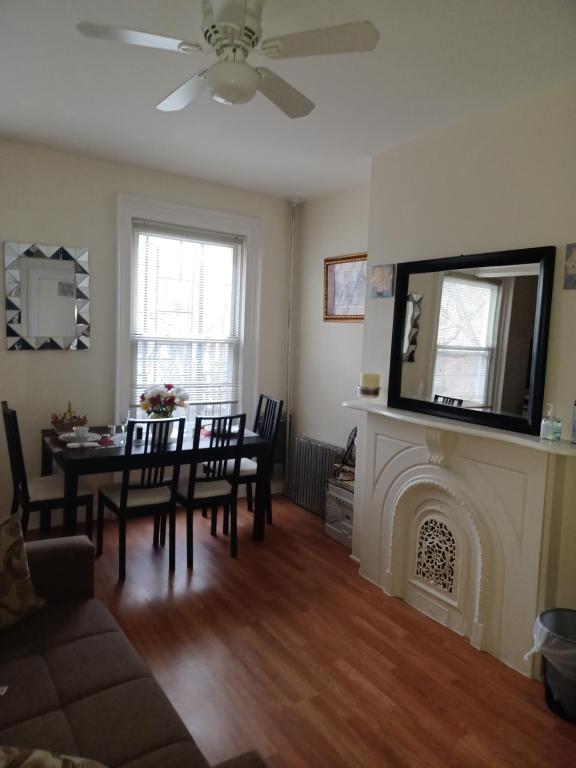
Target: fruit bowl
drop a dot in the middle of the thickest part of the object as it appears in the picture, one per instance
(65, 422)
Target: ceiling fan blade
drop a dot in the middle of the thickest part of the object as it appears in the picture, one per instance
(286, 97)
(135, 37)
(184, 94)
(344, 38)
(229, 12)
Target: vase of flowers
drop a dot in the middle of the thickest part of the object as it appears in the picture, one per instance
(160, 401)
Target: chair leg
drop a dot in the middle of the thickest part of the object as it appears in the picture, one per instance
(89, 517)
(100, 526)
(122, 549)
(249, 497)
(45, 519)
(189, 539)
(156, 534)
(163, 529)
(269, 502)
(171, 539)
(214, 520)
(204, 511)
(233, 531)
(24, 519)
(226, 519)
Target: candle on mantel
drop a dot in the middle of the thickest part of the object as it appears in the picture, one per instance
(370, 380)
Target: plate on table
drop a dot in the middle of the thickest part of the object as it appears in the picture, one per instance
(72, 437)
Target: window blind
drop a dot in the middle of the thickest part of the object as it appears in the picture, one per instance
(465, 341)
(185, 314)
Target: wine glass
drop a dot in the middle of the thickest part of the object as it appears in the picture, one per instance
(124, 417)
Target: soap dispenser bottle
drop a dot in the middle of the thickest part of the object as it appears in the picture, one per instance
(547, 427)
(551, 427)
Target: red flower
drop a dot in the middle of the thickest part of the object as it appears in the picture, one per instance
(142, 398)
(168, 387)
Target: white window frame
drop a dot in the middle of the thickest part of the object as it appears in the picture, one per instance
(128, 209)
(491, 350)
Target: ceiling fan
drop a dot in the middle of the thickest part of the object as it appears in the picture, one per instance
(232, 29)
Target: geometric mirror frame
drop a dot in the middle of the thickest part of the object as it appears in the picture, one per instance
(47, 297)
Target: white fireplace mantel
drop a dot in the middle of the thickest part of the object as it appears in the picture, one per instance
(374, 405)
(473, 526)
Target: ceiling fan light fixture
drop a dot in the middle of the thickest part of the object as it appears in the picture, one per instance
(232, 82)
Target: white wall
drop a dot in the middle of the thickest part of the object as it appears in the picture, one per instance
(327, 355)
(504, 180)
(57, 198)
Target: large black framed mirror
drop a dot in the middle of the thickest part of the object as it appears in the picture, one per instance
(474, 345)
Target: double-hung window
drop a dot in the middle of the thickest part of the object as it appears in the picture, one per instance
(186, 309)
(466, 340)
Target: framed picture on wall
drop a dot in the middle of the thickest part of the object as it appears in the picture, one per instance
(345, 288)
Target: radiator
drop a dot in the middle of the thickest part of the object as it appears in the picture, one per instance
(313, 464)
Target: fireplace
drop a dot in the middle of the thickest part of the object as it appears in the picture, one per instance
(462, 522)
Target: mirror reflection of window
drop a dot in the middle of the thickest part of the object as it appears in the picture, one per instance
(466, 340)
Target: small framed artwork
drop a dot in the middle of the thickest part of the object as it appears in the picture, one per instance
(345, 288)
(382, 281)
(570, 266)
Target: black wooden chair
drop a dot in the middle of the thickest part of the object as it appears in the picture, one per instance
(267, 425)
(212, 483)
(445, 400)
(150, 491)
(37, 494)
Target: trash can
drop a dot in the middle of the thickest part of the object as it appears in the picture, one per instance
(555, 639)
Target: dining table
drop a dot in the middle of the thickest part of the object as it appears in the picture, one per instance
(98, 459)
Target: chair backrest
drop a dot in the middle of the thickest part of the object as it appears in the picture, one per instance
(267, 420)
(153, 437)
(17, 466)
(217, 433)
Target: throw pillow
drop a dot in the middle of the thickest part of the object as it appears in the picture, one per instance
(17, 596)
(13, 757)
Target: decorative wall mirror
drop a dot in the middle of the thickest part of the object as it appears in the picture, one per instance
(482, 337)
(47, 297)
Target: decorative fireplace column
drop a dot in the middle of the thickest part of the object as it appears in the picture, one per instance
(462, 522)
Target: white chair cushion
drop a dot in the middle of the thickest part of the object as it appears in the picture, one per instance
(248, 467)
(52, 487)
(206, 490)
(137, 497)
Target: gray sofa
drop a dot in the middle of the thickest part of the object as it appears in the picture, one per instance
(76, 685)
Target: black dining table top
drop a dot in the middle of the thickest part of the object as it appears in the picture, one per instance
(113, 457)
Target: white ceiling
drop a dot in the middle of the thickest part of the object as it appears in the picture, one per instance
(437, 61)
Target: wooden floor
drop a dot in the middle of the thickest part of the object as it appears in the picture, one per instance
(286, 650)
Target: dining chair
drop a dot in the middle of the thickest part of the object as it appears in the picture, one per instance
(211, 483)
(446, 400)
(149, 491)
(37, 494)
(267, 425)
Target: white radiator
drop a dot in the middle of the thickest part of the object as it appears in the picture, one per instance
(313, 464)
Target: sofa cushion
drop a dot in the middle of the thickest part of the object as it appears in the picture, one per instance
(91, 664)
(49, 731)
(30, 690)
(136, 717)
(182, 753)
(17, 596)
(13, 757)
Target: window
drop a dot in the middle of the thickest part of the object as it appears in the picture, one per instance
(466, 339)
(186, 305)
